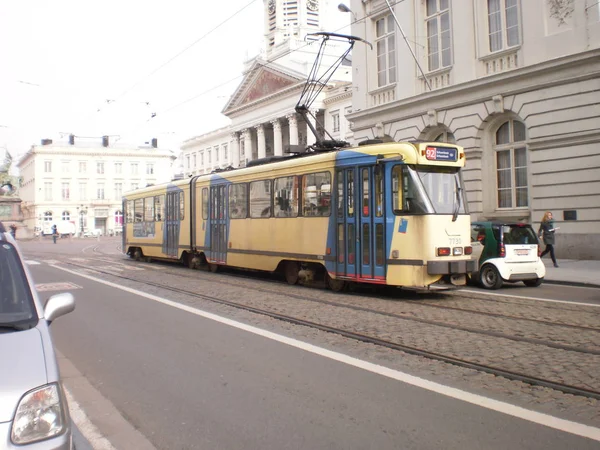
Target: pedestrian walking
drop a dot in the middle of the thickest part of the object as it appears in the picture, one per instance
(54, 233)
(546, 233)
(13, 231)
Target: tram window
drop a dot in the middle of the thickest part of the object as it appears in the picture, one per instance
(222, 200)
(365, 191)
(366, 244)
(181, 206)
(260, 199)
(159, 208)
(238, 201)
(129, 211)
(378, 192)
(341, 243)
(351, 243)
(350, 192)
(149, 209)
(397, 188)
(379, 246)
(316, 194)
(340, 197)
(205, 203)
(286, 197)
(138, 210)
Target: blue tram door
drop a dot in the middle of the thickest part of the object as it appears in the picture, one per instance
(218, 224)
(173, 210)
(360, 227)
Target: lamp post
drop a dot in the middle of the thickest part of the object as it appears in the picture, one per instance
(82, 213)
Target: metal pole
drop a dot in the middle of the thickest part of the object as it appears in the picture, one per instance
(407, 44)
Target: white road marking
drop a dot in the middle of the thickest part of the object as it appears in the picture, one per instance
(32, 263)
(537, 299)
(87, 428)
(51, 261)
(60, 286)
(547, 420)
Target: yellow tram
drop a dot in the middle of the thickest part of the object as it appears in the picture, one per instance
(385, 213)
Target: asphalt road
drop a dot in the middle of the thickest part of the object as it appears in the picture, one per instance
(189, 382)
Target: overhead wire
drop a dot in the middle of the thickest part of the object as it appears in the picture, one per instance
(241, 76)
(177, 55)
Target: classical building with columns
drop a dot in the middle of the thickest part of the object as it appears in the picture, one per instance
(515, 82)
(261, 110)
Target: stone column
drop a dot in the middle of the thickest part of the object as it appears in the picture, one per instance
(262, 144)
(310, 136)
(247, 135)
(235, 150)
(277, 138)
(293, 122)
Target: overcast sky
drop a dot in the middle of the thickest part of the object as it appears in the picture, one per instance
(96, 68)
(62, 60)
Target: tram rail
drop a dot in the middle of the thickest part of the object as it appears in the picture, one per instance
(530, 378)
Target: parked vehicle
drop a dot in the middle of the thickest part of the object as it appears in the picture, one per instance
(506, 252)
(33, 407)
(92, 233)
(65, 228)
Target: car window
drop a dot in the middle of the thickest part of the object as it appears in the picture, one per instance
(477, 233)
(16, 301)
(518, 235)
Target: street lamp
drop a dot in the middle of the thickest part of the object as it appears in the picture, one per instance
(82, 213)
(345, 9)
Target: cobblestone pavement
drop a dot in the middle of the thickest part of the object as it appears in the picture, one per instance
(391, 320)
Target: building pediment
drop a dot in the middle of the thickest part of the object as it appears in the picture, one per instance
(262, 80)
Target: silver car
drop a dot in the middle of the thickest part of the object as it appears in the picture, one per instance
(33, 408)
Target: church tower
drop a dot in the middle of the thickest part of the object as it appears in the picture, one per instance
(288, 21)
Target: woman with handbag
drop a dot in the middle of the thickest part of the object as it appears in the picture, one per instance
(546, 232)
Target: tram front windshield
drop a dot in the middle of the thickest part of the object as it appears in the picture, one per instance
(428, 190)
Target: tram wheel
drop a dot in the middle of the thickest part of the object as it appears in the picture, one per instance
(291, 270)
(214, 268)
(490, 277)
(137, 254)
(335, 285)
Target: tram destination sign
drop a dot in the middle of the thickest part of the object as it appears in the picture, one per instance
(441, 154)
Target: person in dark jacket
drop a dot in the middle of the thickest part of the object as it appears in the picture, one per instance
(54, 233)
(546, 232)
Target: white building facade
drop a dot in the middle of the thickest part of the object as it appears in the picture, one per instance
(262, 109)
(515, 82)
(79, 185)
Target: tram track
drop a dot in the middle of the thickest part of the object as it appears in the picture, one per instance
(462, 362)
(421, 303)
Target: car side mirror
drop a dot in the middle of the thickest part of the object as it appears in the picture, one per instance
(59, 305)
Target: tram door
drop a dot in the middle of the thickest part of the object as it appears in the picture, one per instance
(218, 224)
(360, 223)
(173, 210)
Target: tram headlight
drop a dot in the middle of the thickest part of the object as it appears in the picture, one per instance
(457, 251)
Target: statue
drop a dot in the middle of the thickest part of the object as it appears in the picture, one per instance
(8, 185)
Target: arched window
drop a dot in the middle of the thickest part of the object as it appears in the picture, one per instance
(119, 218)
(446, 136)
(66, 215)
(511, 165)
(48, 216)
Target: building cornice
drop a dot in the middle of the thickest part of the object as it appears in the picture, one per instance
(482, 89)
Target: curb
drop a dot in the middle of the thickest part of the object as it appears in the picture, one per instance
(572, 283)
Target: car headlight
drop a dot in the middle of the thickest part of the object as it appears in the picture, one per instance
(40, 415)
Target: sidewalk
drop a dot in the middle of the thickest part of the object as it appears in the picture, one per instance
(573, 272)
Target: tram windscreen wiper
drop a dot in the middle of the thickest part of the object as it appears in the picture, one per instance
(457, 206)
